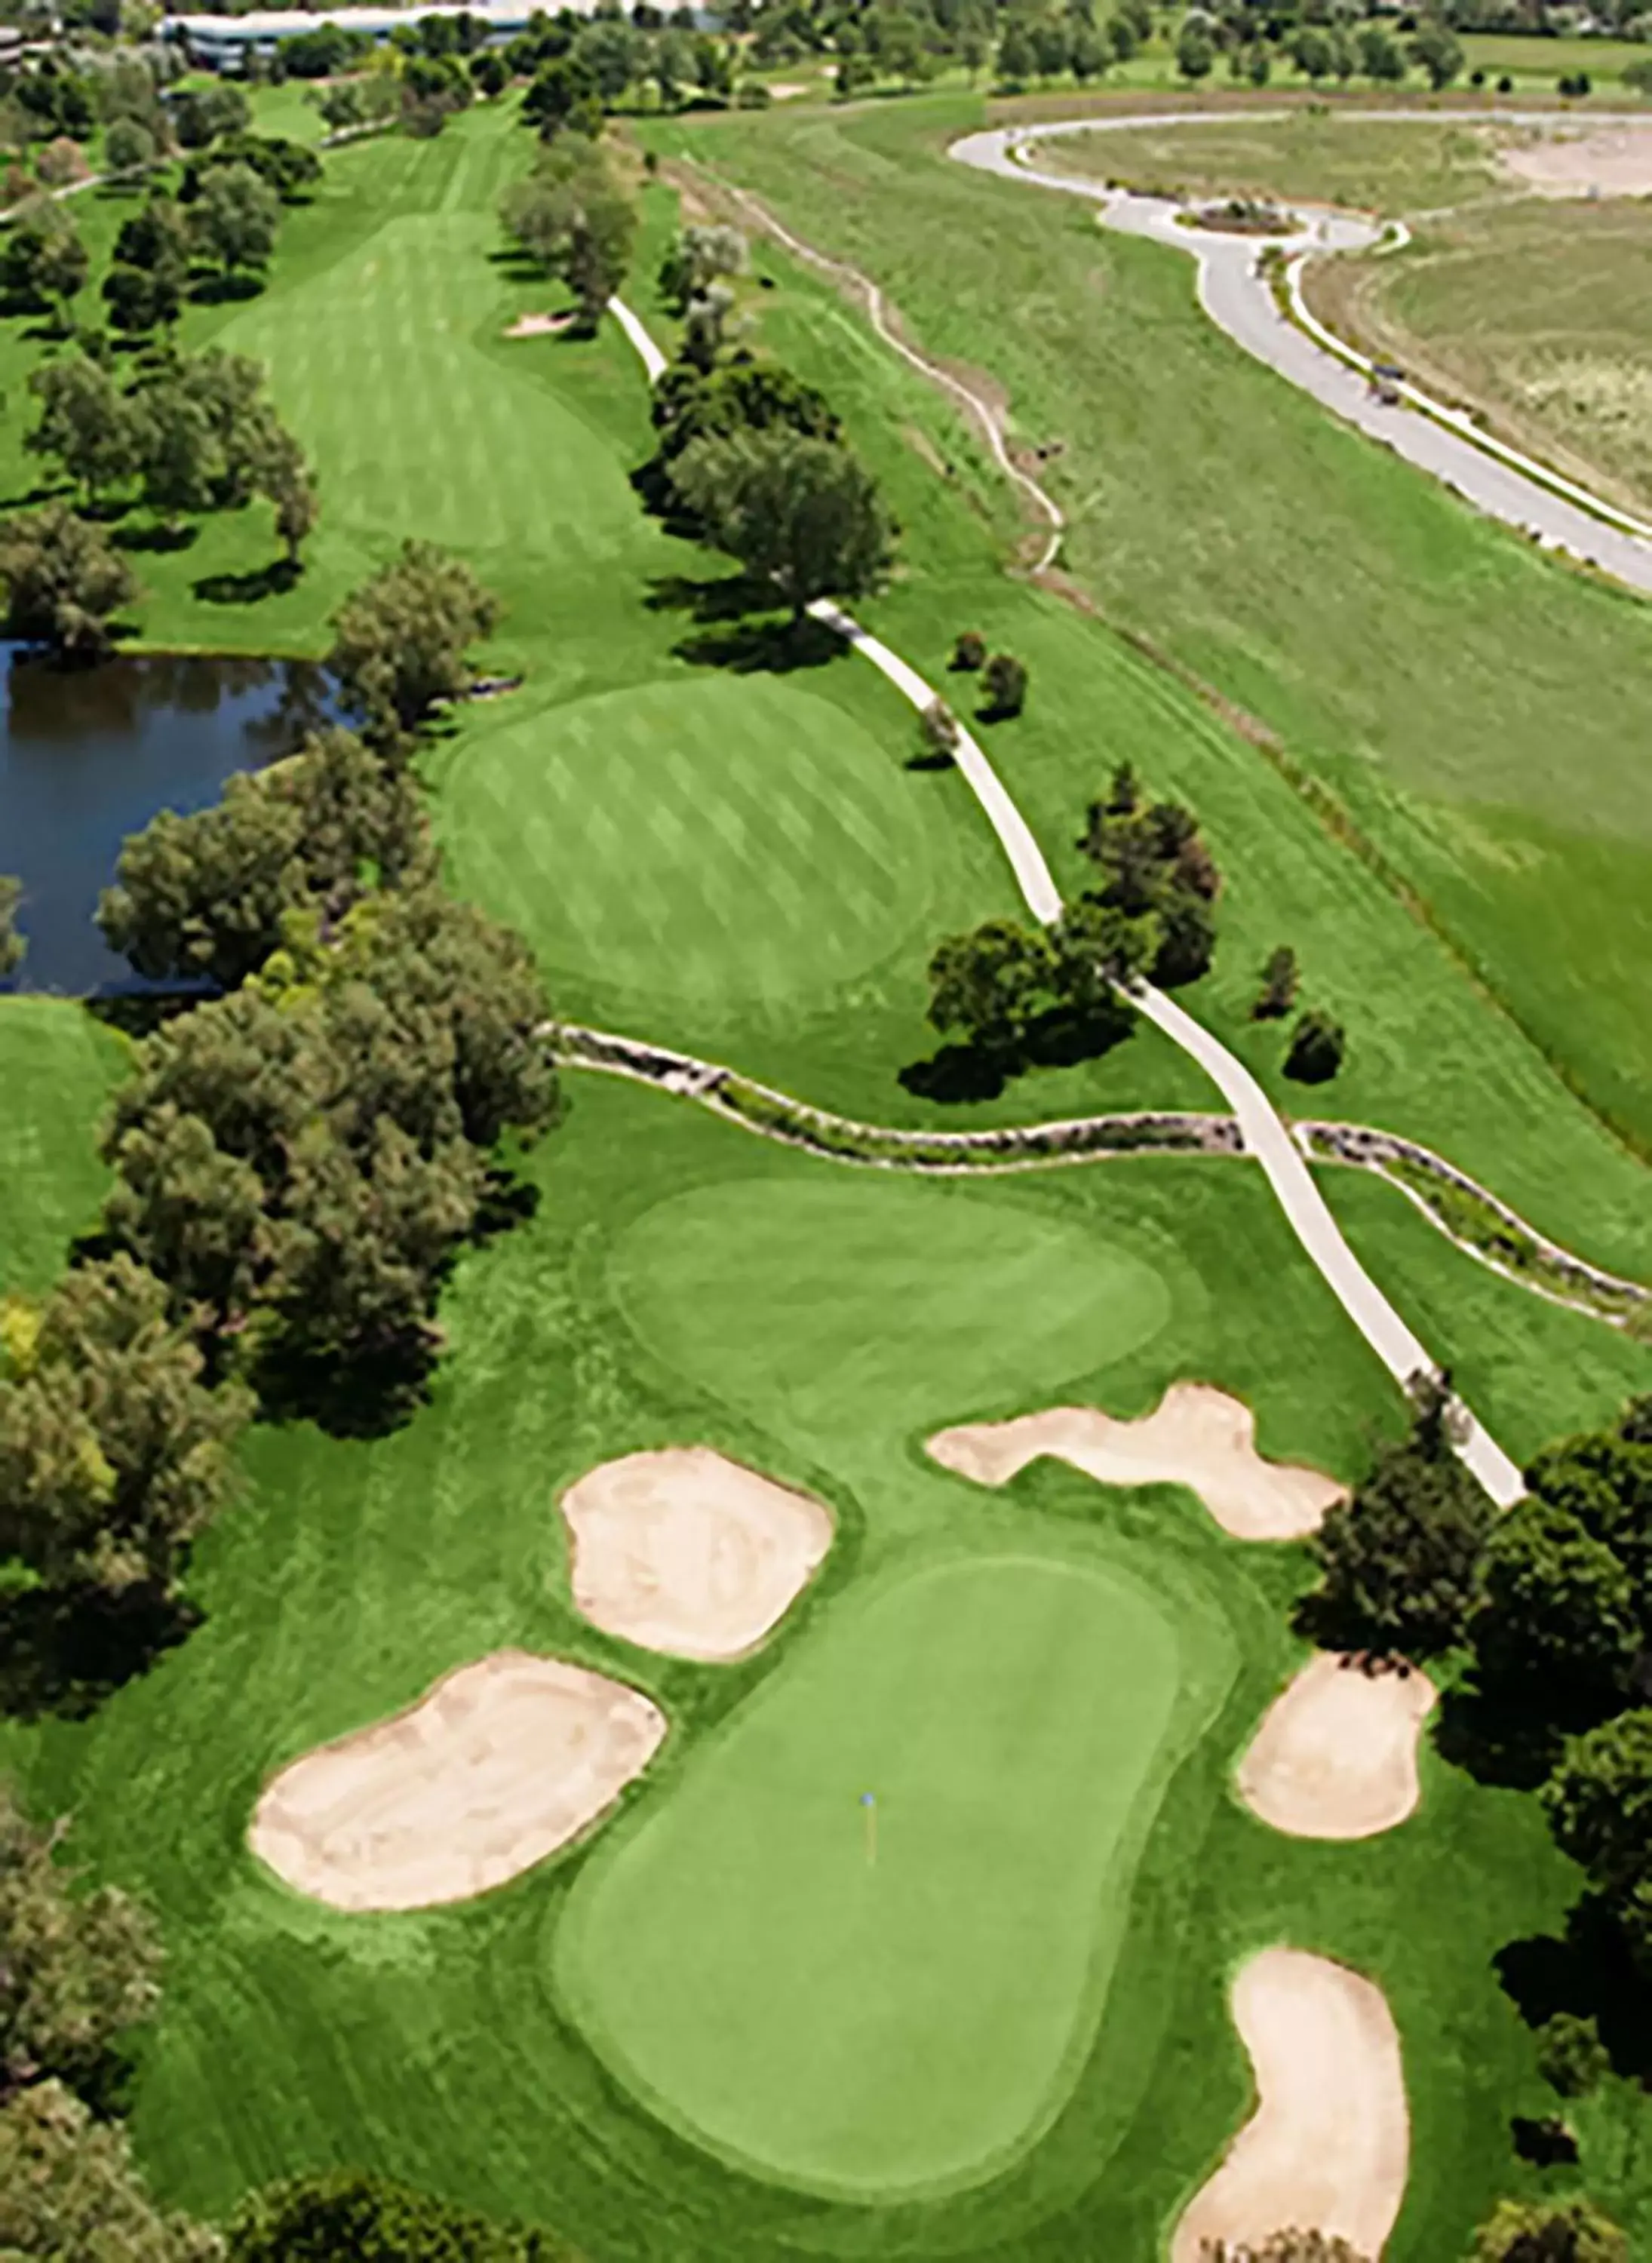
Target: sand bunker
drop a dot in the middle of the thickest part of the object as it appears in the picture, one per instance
(1335, 1756)
(495, 1768)
(540, 326)
(1327, 2147)
(1196, 1437)
(686, 1552)
(1615, 161)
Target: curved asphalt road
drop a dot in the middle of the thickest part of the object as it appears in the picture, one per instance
(1264, 1131)
(1240, 303)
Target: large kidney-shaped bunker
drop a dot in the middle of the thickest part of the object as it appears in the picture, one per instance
(863, 1942)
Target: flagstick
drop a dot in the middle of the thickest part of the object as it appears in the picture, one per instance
(869, 1805)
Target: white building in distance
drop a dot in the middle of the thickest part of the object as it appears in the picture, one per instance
(223, 42)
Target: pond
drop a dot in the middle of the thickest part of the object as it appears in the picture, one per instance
(89, 756)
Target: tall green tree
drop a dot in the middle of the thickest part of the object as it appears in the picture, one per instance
(572, 215)
(1550, 2231)
(342, 2212)
(699, 256)
(44, 262)
(1556, 1633)
(992, 984)
(77, 1968)
(87, 422)
(64, 582)
(235, 217)
(803, 515)
(401, 641)
(71, 2193)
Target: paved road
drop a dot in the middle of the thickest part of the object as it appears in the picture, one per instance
(1241, 303)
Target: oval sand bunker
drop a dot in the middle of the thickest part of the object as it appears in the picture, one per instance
(1335, 1755)
(1196, 1437)
(1329, 2145)
(686, 1551)
(499, 1764)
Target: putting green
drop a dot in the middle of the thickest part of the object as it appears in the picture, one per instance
(715, 839)
(865, 1304)
(882, 2020)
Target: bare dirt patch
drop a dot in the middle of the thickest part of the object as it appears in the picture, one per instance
(1196, 1437)
(498, 1765)
(540, 326)
(1329, 2145)
(686, 1551)
(1611, 162)
(1335, 1755)
(786, 89)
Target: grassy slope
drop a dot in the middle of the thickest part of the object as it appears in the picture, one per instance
(58, 1064)
(1423, 662)
(354, 1575)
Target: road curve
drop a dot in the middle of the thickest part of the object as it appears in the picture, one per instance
(1262, 1129)
(1241, 301)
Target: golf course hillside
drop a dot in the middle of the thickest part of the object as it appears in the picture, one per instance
(645, 1656)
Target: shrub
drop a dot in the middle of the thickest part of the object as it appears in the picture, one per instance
(1280, 977)
(1004, 681)
(939, 728)
(1317, 1046)
(1570, 2054)
(969, 652)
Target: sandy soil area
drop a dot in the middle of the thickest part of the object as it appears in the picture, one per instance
(498, 1765)
(1613, 161)
(539, 326)
(1327, 2147)
(785, 90)
(1335, 1755)
(1196, 1437)
(686, 1552)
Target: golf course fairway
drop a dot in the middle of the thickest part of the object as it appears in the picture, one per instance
(876, 1999)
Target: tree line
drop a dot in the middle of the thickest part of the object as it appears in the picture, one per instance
(296, 1159)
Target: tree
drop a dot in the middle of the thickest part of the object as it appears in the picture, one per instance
(202, 114)
(1380, 56)
(62, 162)
(1436, 49)
(63, 581)
(182, 454)
(235, 217)
(128, 147)
(140, 302)
(114, 1456)
(402, 640)
(1123, 38)
(86, 422)
(1052, 47)
(490, 74)
(802, 515)
(1598, 1800)
(1399, 1561)
(1004, 683)
(208, 894)
(1570, 2054)
(69, 2187)
(1195, 50)
(699, 258)
(1556, 1633)
(704, 326)
(937, 727)
(341, 2212)
(1550, 2231)
(970, 651)
(1090, 56)
(563, 95)
(992, 984)
(1097, 946)
(79, 1969)
(1318, 1045)
(745, 396)
(1156, 861)
(13, 946)
(1312, 53)
(45, 263)
(1017, 61)
(572, 217)
(1280, 977)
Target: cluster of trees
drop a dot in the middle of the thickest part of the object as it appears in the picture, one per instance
(1254, 40)
(1552, 1605)
(753, 459)
(1004, 678)
(574, 218)
(1158, 876)
(582, 67)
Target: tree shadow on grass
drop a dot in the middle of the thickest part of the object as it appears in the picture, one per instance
(710, 598)
(956, 1074)
(272, 580)
(226, 289)
(62, 1651)
(1588, 1971)
(159, 538)
(771, 647)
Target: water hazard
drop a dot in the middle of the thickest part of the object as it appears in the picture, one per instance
(87, 755)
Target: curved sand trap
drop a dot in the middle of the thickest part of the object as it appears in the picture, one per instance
(495, 1767)
(686, 1551)
(1611, 162)
(540, 326)
(1196, 1437)
(1327, 2147)
(1335, 1755)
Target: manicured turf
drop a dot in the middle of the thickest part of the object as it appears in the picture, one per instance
(873, 2017)
(1423, 664)
(723, 841)
(58, 1066)
(899, 1301)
